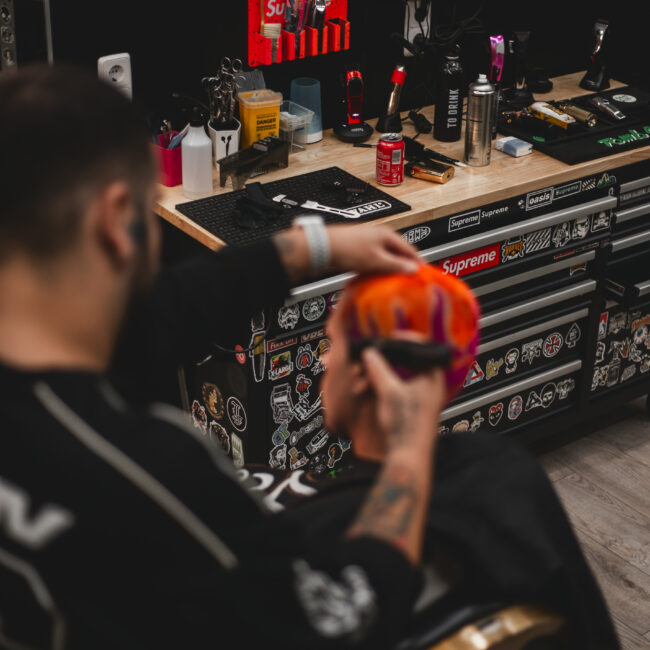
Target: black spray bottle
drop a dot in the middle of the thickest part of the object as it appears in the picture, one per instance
(449, 99)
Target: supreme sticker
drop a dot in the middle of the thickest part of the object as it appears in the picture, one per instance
(476, 260)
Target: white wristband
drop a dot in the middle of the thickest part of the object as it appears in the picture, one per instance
(317, 241)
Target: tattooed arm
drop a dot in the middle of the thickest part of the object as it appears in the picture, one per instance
(407, 416)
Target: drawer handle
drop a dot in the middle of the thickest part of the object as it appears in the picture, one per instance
(632, 213)
(519, 278)
(538, 303)
(629, 242)
(532, 331)
(635, 185)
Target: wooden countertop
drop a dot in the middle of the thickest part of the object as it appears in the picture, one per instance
(472, 186)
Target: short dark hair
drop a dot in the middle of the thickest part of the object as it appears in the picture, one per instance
(63, 136)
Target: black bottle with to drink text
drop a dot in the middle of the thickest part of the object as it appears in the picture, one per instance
(449, 100)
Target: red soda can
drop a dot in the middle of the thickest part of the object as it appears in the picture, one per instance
(390, 159)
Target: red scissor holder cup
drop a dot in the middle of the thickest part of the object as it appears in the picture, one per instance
(170, 162)
(334, 37)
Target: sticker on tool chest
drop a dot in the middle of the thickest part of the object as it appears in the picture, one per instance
(514, 249)
(555, 344)
(522, 407)
(622, 351)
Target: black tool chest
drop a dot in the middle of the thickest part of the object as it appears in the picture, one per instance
(563, 278)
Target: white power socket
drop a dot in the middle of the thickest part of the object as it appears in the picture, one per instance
(411, 26)
(116, 69)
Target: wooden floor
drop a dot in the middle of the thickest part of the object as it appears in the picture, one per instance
(603, 480)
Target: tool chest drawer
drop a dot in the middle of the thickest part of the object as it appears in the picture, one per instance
(526, 245)
(510, 352)
(633, 211)
(522, 403)
(627, 277)
(520, 287)
(622, 354)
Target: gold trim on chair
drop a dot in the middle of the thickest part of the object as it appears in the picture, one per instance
(508, 629)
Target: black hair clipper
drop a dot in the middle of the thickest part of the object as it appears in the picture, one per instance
(411, 355)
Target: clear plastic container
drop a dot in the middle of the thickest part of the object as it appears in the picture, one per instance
(259, 111)
(294, 119)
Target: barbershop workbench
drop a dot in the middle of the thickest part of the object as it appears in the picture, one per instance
(558, 255)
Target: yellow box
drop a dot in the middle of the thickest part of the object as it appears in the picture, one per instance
(259, 111)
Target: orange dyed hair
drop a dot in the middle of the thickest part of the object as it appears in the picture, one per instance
(441, 307)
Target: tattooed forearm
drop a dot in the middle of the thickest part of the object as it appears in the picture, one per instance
(388, 513)
(401, 418)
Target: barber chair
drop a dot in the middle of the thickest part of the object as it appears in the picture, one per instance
(490, 627)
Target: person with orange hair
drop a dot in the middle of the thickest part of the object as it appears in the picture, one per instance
(493, 527)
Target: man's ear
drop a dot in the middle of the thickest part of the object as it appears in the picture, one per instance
(113, 213)
(359, 384)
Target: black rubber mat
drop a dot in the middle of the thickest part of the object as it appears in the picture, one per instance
(215, 213)
(580, 143)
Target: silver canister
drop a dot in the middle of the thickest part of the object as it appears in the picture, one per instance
(481, 113)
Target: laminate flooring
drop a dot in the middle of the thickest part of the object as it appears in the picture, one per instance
(603, 480)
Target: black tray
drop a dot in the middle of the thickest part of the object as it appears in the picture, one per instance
(580, 143)
(215, 212)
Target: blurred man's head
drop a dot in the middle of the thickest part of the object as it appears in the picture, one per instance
(428, 306)
(78, 237)
(76, 170)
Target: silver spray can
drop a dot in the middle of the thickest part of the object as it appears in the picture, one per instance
(481, 109)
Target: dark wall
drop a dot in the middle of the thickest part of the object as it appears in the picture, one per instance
(174, 44)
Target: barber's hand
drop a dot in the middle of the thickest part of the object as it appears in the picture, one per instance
(370, 249)
(407, 412)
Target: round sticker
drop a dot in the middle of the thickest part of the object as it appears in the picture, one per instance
(626, 99)
(333, 300)
(241, 355)
(236, 414)
(314, 308)
(211, 396)
(515, 407)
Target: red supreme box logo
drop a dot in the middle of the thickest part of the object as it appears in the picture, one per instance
(476, 260)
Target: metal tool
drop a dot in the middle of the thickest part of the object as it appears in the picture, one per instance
(605, 106)
(314, 205)
(221, 90)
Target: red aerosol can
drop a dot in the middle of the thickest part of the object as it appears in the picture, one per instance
(390, 159)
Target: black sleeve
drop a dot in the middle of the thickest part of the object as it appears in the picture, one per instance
(355, 594)
(207, 299)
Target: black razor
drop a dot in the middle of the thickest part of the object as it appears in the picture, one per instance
(417, 357)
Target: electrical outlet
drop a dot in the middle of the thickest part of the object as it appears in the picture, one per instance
(7, 35)
(116, 69)
(411, 26)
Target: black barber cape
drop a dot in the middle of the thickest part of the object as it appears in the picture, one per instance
(496, 532)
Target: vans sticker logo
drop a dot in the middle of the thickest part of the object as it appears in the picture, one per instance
(370, 208)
